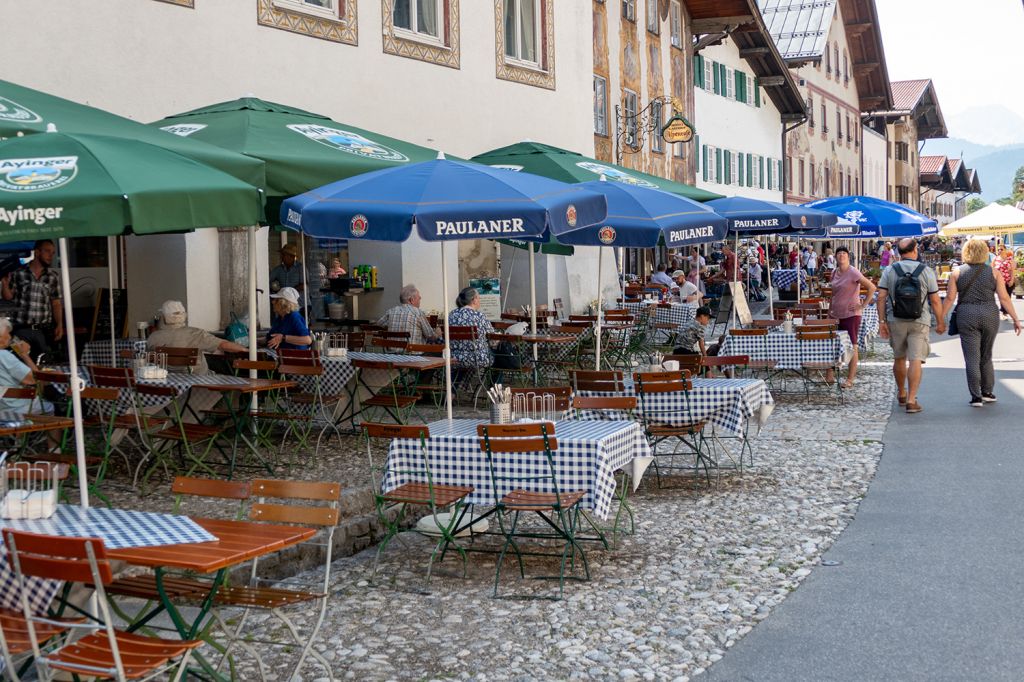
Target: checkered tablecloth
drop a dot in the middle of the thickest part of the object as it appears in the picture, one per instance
(783, 279)
(118, 528)
(676, 314)
(868, 326)
(787, 351)
(588, 455)
(98, 352)
(727, 404)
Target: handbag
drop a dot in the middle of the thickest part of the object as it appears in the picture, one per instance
(953, 328)
(506, 357)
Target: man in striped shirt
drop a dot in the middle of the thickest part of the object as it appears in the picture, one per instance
(407, 317)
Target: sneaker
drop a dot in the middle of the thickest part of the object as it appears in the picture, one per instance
(988, 398)
(977, 402)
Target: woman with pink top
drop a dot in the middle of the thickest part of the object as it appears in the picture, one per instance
(885, 256)
(846, 305)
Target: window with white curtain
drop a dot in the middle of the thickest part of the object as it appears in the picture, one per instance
(600, 105)
(629, 10)
(652, 16)
(657, 115)
(675, 18)
(522, 30)
(421, 17)
(629, 103)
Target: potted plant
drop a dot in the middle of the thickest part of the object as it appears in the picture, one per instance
(1018, 260)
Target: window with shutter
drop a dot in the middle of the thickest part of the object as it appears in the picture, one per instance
(718, 164)
(789, 182)
(770, 174)
(717, 78)
(757, 93)
(750, 170)
(708, 78)
(726, 167)
(730, 83)
(698, 71)
(704, 160)
(740, 80)
(739, 170)
(760, 172)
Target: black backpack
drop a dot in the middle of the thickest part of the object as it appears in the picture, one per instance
(907, 298)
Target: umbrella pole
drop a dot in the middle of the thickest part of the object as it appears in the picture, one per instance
(771, 304)
(533, 304)
(597, 339)
(799, 276)
(252, 306)
(305, 284)
(447, 339)
(735, 274)
(76, 380)
(110, 299)
(508, 280)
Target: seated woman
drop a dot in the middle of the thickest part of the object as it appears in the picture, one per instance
(475, 353)
(175, 334)
(288, 330)
(16, 368)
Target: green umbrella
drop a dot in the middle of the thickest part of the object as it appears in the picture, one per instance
(550, 247)
(80, 185)
(24, 110)
(567, 166)
(302, 150)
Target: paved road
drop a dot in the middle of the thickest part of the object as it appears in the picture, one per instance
(931, 584)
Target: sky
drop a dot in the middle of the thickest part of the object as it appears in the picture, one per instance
(971, 50)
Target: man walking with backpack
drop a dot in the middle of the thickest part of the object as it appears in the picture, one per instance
(909, 284)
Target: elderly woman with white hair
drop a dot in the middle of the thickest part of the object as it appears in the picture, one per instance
(288, 329)
(974, 287)
(175, 333)
(16, 370)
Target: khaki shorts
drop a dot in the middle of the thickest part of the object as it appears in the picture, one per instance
(909, 339)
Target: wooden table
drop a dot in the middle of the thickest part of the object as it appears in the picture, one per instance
(34, 423)
(241, 415)
(237, 542)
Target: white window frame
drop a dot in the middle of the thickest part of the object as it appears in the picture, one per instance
(303, 7)
(629, 115)
(601, 108)
(734, 168)
(712, 168)
(518, 60)
(709, 75)
(653, 21)
(675, 22)
(658, 113)
(415, 35)
(730, 83)
(755, 171)
(751, 86)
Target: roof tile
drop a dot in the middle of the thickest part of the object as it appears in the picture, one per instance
(932, 165)
(906, 94)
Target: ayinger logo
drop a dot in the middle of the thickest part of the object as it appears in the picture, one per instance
(37, 175)
(348, 141)
(12, 111)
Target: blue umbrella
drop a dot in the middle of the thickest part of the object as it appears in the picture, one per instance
(640, 217)
(444, 200)
(877, 218)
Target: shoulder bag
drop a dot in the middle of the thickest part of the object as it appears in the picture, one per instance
(953, 329)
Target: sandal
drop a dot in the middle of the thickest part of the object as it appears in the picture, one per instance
(901, 399)
(914, 407)
(847, 386)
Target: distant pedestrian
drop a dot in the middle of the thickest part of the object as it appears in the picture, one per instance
(885, 256)
(911, 285)
(976, 284)
(846, 306)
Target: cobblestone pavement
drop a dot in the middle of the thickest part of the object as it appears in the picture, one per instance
(704, 567)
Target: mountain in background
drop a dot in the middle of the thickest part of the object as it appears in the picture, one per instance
(989, 125)
(995, 164)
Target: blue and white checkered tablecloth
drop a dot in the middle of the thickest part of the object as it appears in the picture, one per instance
(868, 326)
(727, 404)
(787, 351)
(676, 314)
(118, 528)
(783, 279)
(98, 352)
(179, 381)
(338, 372)
(588, 455)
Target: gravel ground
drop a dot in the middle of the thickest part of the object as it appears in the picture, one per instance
(705, 566)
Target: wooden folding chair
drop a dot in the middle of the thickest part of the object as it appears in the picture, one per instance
(597, 380)
(665, 423)
(417, 490)
(507, 447)
(183, 359)
(393, 398)
(106, 652)
(816, 373)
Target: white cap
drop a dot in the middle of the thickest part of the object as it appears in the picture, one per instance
(287, 293)
(173, 313)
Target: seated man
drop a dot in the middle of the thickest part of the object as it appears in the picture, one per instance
(407, 317)
(661, 277)
(175, 334)
(16, 368)
(685, 289)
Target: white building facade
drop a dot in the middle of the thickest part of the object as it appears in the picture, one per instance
(739, 129)
(874, 163)
(462, 76)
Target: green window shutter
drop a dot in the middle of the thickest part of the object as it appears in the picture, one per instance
(781, 178)
(726, 167)
(738, 77)
(750, 170)
(760, 175)
(698, 71)
(696, 151)
(716, 77)
(725, 75)
(757, 93)
(739, 169)
(718, 164)
(704, 157)
(770, 174)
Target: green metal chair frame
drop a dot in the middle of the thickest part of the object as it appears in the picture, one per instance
(689, 434)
